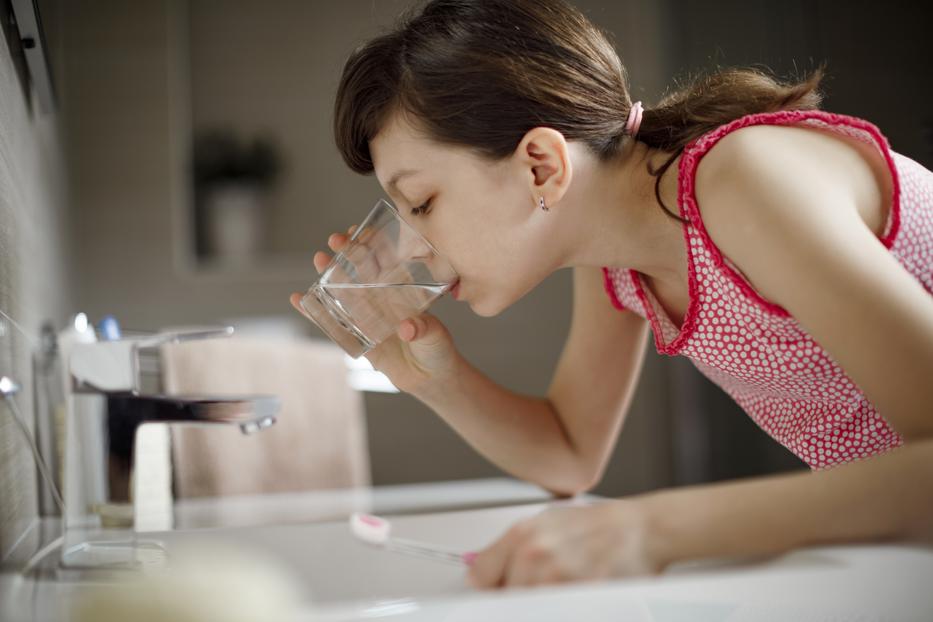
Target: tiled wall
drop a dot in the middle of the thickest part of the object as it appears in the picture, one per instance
(33, 273)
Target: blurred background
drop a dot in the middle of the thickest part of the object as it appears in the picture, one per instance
(186, 173)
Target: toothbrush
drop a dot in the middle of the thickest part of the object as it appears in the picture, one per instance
(377, 531)
(109, 328)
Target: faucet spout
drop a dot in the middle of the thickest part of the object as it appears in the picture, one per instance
(251, 412)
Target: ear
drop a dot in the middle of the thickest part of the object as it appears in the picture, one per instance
(543, 156)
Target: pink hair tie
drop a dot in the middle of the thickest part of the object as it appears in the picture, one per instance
(634, 118)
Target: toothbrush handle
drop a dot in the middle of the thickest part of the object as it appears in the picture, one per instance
(410, 547)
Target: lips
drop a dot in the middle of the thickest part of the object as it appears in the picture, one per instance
(455, 290)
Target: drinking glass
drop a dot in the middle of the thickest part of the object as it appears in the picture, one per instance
(387, 272)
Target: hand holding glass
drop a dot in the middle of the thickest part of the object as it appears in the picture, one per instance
(387, 273)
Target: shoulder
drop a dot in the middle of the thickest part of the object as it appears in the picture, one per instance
(784, 168)
(764, 191)
(768, 164)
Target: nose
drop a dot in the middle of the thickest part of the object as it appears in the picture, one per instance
(413, 245)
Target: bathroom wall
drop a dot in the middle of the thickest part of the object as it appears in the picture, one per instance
(127, 104)
(34, 266)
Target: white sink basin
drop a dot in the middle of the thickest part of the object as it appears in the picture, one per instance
(335, 568)
(343, 579)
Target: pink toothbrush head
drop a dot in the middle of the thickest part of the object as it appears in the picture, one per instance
(369, 528)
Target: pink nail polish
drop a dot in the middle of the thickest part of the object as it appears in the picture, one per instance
(469, 558)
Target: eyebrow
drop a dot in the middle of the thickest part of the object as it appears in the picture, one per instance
(405, 172)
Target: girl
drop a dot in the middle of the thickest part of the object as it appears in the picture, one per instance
(787, 251)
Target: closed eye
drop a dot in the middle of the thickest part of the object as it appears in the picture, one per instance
(422, 209)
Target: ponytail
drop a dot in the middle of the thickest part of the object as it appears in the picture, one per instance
(715, 99)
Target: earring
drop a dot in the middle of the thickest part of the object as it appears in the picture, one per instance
(543, 206)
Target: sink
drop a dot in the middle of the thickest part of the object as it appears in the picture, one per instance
(263, 552)
(332, 568)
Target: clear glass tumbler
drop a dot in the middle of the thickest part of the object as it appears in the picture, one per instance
(388, 272)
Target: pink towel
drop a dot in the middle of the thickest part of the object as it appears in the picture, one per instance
(319, 440)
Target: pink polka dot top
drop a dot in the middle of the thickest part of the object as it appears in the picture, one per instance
(754, 349)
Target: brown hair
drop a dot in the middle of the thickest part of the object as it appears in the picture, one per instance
(481, 73)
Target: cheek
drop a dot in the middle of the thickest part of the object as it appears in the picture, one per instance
(480, 239)
(468, 243)
(520, 270)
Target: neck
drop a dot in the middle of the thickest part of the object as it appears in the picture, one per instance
(612, 218)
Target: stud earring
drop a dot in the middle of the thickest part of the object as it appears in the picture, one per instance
(543, 206)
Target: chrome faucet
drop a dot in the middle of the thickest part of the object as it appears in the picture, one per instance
(128, 372)
(113, 388)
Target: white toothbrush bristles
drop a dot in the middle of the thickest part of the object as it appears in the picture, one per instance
(377, 531)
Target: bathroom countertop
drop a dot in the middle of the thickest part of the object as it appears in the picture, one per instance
(20, 595)
(335, 577)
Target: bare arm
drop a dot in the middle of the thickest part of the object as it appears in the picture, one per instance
(561, 441)
(888, 497)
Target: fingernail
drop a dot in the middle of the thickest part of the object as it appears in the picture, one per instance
(469, 558)
(410, 331)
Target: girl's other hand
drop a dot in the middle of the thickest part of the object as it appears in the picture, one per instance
(605, 540)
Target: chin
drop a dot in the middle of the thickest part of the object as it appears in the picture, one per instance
(487, 308)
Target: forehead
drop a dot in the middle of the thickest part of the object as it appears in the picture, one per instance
(401, 146)
(397, 147)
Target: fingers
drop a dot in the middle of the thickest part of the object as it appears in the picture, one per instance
(528, 567)
(295, 299)
(408, 330)
(424, 328)
(413, 328)
(489, 567)
(336, 242)
(321, 259)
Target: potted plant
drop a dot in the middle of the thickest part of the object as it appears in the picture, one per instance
(232, 182)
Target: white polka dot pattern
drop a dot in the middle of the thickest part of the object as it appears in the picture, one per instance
(754, 349)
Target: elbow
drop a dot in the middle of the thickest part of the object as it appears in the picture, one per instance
(579, 471)
(578, 483)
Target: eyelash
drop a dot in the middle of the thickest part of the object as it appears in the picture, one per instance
(422, 210)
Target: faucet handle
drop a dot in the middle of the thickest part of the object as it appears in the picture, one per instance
(185, 334)
(117, 366)
(103, 367)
